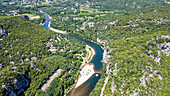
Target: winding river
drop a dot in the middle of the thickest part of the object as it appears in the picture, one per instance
(88, 86)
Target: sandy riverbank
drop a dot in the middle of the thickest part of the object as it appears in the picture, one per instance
(34, 17)
(90, 53)
(46, 14)
(55, 30)
(87, 70)
(85, 74)
(31, 16)
(58, 31)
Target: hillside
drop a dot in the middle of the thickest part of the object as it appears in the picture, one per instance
(137, 59)
(127, 4)
(101, 4)
(30, 54)
(135, 36)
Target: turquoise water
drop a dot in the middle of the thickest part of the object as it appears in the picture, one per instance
(89, 85)
(98, 50)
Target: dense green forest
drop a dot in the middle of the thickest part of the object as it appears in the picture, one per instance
(126, 4)
(136, 44)
(134, 33)
(26, 61)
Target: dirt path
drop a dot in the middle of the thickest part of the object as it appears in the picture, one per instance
(45, 86)
(106, 80)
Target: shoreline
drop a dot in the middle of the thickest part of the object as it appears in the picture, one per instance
(87, 70)
(87, 60)
(52, 29)
(46, 14)
(92, 54)
(45, 18)
(84, 67)
(55, 30)
(104, 55)
(85, 74)
(81, 80)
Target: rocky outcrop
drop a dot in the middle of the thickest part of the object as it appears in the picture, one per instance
(20, 85)
(163, 48)
(3, 32)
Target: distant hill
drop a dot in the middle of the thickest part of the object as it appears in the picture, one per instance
(101, 4)
(127, 4)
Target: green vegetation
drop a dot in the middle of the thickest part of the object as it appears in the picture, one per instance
(31, 12)
(72, 16)
(127, 5)
(25, 61)
(138, 70)
(127, 29)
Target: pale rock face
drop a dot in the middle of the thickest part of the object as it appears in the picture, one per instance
(21, 84)
(160, 77)
(163, 48)
(143, 83)
(0, 66)
(155, 72)
(34, 58)
(91, 24)
(3, 32)
(12, 62)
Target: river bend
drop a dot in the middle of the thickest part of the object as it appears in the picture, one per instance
(89, 85)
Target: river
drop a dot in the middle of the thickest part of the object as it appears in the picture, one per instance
(88, 86)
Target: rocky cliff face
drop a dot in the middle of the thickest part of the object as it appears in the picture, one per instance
(3, 32)
(20, 85)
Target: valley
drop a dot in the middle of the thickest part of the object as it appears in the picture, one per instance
(84, 47)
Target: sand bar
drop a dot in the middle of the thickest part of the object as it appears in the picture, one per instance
(85, 74)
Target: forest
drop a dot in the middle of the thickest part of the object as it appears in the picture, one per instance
(134, 33)
(26, 61)
(137, 42)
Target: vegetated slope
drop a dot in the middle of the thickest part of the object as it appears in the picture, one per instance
(127, 4)
(138, 46)
(26, 62)
(73, 16)
(12, 10)
(105, 4)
